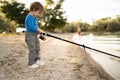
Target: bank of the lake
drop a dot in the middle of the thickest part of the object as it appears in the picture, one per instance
(63, 61)
(107, 42)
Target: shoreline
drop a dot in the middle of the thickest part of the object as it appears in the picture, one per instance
(64, 61)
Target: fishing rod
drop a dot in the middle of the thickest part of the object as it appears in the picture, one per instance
(49, 35)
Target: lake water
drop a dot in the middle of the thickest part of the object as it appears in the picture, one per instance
(109, 43)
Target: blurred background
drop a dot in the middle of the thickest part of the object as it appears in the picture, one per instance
(63, 15)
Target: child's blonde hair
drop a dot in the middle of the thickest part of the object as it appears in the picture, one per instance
(36, 6)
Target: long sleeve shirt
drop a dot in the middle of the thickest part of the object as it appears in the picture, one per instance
(31, 24)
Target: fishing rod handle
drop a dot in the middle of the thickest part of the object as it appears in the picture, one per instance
(42, 36)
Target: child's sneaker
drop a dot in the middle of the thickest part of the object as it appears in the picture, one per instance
(39, 62)
(34, 66)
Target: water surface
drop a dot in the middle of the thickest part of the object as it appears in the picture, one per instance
(109, 43)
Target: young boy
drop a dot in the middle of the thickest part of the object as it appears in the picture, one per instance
(32, 30)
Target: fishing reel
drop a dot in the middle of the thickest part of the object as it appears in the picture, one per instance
(42, 36)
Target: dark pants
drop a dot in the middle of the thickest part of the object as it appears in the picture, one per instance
(34, 47)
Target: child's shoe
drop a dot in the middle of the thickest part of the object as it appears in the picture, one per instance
(34, 66)
(40, 63)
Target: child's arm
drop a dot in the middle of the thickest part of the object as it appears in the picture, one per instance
(39, 31)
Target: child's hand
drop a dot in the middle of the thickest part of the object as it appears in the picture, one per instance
(42, 38)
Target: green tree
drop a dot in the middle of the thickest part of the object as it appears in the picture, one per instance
(117, 18)
(53, 16)
(101, 24)
(5, 24)
(14, 11)
(113, 26)
(2, 24)
(70, 27)
(84, 26)
(106, 24)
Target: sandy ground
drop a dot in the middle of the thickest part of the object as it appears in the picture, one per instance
(63, 61)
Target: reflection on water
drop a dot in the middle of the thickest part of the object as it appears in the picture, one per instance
(106, 43)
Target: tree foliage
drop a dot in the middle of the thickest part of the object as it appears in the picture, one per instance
(5, 24)
(106, 24)
(70, 27)
(84, 26)
(14, 11)
(53, 16)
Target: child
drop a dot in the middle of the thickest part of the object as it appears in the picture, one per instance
(32, 30)
(79, 31)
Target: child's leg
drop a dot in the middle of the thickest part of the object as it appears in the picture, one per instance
(30, 40)
(37, 45)
(38, 61)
